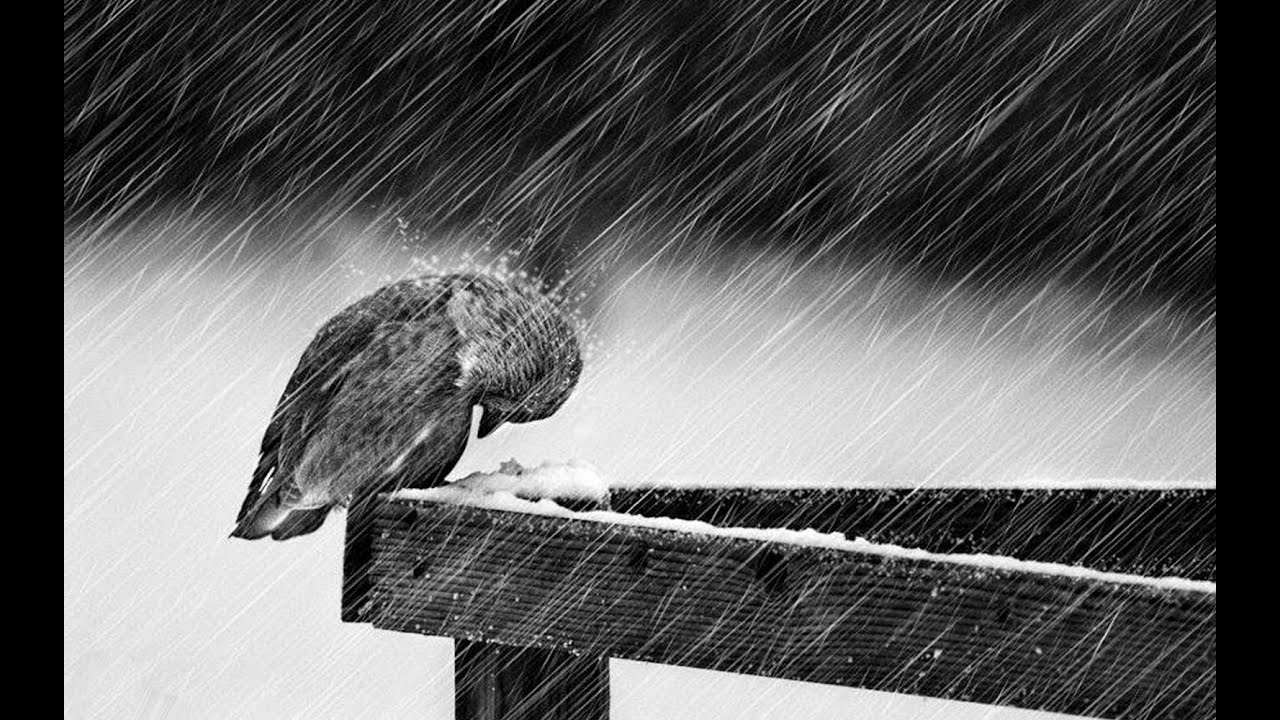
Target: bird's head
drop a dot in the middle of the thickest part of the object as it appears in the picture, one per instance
(522, 359)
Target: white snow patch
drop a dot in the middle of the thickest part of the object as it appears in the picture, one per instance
(532, 491)
(572, 480)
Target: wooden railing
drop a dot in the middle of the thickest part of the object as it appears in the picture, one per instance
(538, 604)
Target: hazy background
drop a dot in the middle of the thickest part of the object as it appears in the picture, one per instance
(897, 245)
(742, 370)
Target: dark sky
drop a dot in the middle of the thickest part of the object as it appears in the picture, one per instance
(996, 142)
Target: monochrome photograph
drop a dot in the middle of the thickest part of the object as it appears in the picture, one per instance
(650, 360)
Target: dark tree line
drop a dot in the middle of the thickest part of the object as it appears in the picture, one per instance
(992, 140)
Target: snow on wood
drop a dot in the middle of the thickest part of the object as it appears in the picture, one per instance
(574, 480)
(488, 566)
(1123, 533)
(508, 502)
(579, 478)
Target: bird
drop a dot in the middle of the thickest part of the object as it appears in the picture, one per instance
(383, 396)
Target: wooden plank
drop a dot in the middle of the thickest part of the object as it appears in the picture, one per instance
(1166, 532)
(938, 629)
(356, 558)
(499, 682)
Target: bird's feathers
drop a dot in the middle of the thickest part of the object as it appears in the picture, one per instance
(382, 396)
(299, 522)
(341, 428)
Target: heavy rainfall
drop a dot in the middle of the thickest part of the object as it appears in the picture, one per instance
(899, 244)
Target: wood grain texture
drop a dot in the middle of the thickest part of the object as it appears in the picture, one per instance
(357, 556)
(1143, 532)
(500, 682)
(830, 616)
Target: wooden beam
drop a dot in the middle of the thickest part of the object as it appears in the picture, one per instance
(499, 682)
(357, 557)
(1144, 532)
(1053, 642)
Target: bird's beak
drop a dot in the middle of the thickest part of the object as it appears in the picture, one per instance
(489, 421)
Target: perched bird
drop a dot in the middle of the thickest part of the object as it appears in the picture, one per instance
(382, 397)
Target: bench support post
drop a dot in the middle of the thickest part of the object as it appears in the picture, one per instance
(500, 682)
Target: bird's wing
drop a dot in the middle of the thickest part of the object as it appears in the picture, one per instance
(322, 371)
(393, 411)
(306, 399)
(403, 412)
(298, 418)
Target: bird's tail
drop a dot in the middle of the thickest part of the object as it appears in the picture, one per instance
(270, 517)
(300, 522)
